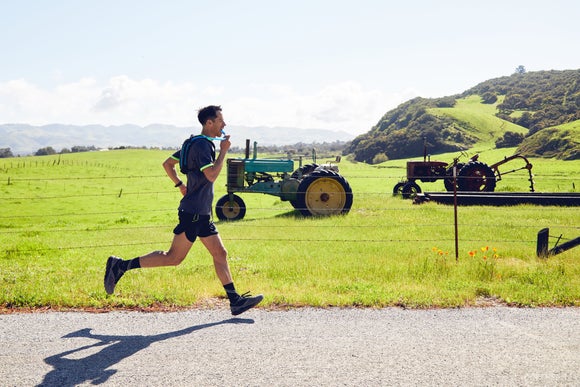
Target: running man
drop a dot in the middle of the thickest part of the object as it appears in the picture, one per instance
(195, 213)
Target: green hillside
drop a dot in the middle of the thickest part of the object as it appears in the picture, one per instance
(562, 142)
(524, 110)
(479, 119)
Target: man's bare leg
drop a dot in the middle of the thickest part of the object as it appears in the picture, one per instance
(215, 246)
(238, 304)
(172, 257)
(116, 267)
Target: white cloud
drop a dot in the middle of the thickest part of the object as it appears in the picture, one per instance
(110, 100)
(344, 106)
(122, 100)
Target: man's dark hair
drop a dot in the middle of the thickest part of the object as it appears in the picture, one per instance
(208, 113)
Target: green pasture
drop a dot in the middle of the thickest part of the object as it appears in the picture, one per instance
(481, 118)
(63, 215)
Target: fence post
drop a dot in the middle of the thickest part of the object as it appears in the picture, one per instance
(542, 245)
(455, 210)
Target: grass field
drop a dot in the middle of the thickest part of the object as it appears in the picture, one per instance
(64, 215)
(481, 117)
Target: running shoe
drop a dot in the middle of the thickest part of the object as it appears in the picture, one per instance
(245, 302)
(113, 273)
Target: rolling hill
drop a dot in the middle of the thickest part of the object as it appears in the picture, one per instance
(541, 110)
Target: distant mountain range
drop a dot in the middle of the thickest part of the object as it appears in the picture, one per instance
(25, 139)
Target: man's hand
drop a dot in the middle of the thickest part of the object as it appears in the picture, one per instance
(225, 144)
(213, 172)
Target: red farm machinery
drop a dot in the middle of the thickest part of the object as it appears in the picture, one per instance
(472, 176)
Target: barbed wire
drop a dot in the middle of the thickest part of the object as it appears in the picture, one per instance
(413, 207)
(88, 178)
(87, 213)
(348, 177)
(290, 211)
(253, 240)
(121, 192)
(242, 224)
(254, 226)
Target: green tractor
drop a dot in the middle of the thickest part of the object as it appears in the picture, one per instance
(312, 189)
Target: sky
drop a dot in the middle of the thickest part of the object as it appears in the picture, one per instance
(336, 64)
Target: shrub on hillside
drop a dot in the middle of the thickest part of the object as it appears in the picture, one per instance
(380, 158)
(489, 98)
(509, 139)
(551, 142)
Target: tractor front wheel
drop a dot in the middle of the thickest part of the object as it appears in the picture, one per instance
(324, 192)
(398, 188)
(234, 209)
(410, 190)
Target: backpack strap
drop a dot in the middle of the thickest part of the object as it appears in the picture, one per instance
(184, 168)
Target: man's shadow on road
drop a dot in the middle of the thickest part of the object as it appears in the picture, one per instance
(94, 368)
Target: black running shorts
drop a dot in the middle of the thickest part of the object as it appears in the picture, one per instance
(194, 226)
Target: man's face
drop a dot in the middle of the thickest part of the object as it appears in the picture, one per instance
(217, 125)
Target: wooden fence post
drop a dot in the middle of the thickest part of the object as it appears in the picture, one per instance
(542, 245)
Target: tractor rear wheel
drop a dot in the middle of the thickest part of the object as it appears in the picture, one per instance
(410, 190)
(304, 171)
(476, 176)
(448, 181)
(230, 210)
(324, 192)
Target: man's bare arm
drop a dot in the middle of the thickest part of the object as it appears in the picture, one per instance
(169, 166)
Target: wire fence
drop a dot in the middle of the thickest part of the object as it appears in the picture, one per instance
(363, 199)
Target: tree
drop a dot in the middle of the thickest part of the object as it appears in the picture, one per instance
(380, 158)
(489, 98)
(83, 148)
(525, 120)
(509, 139)
(445, 102)
(5, 153)
(45, 151)
(520, 69)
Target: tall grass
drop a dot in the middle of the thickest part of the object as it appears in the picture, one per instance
(64, 215)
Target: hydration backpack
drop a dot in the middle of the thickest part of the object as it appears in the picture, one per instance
(183, 167)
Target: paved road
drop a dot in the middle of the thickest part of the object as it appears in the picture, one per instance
(303, 347)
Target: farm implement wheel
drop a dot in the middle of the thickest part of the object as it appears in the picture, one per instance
(230, 210)
(476, 176)
(410, 190)
(324, 192)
